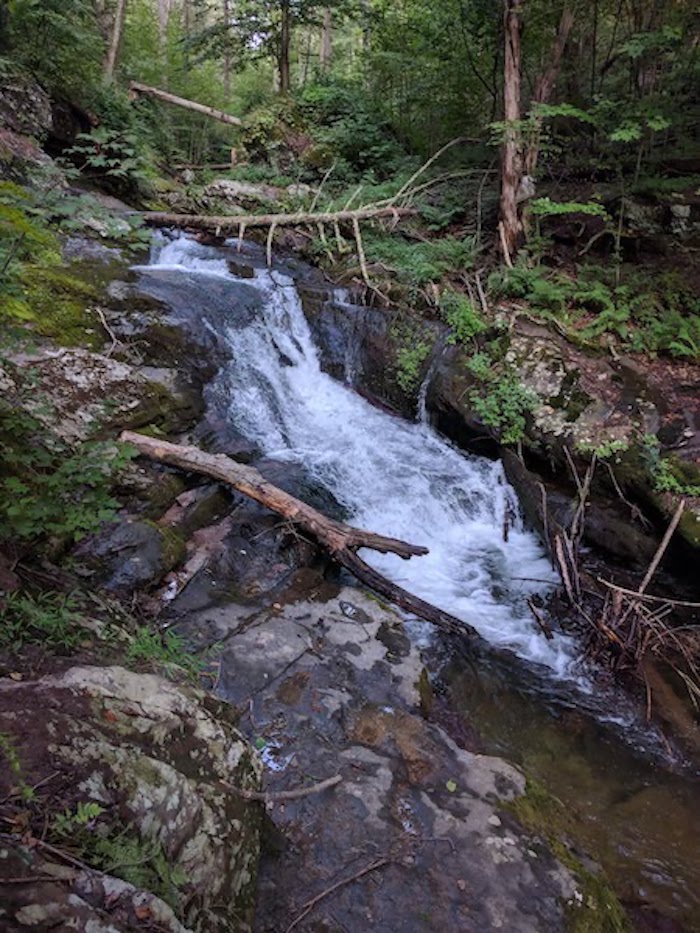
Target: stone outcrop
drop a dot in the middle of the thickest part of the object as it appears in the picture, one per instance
(335, 688)
(156, 758)
(25, 107)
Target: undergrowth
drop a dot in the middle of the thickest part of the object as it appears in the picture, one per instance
(657, 316)
(416, 264)
(87, 831)
(51, 620)
(49, 489)
(500, 399)
(167, 650)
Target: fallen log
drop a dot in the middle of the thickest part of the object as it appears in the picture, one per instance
(342, 541)
(235, 223)
(135, 89)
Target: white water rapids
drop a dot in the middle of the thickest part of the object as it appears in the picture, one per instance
(394, 477)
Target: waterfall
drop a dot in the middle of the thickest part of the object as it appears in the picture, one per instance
(394, 477)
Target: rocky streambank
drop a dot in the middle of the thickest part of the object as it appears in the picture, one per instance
(144, 783)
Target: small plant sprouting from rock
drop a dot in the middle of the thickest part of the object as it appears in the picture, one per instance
(461, 315)
(409, 362)
(11, 756)
(69, 821)
(139, 861)
(167, 650)
(501, 401)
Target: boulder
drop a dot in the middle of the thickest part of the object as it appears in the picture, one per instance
(242, 192)
(334, 687)
(25, 107)
(156, 757)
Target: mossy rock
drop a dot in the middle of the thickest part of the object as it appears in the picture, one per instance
(597, 908)
(59, 305)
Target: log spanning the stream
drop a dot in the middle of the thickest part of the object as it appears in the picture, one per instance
(235, 223)
(340, 540)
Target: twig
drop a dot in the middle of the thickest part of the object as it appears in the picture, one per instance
(108, 329)
(309, 906)
(269, 797)
(647, 596)
(360, 251)
(541, 621)
(665, 541)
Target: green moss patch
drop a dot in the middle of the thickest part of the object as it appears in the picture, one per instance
(598, 910)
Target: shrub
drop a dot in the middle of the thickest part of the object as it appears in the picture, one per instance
(462, 316)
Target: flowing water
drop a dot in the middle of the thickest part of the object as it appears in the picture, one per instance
(393, 477)
(402, 479)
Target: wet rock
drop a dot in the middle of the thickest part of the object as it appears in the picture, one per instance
(153, 755)
(132, 555)
(333, 687)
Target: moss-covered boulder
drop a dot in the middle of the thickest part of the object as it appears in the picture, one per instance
(141, 777)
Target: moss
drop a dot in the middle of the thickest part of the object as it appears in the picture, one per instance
(689, 528)
(174, 549)
(162, 492)
(598, 910)
(59, 306)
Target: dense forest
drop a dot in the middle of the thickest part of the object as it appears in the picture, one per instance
(294, 296)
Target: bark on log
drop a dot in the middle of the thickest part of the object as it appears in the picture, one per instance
(233, 223)
(341, 540)
(135, 89)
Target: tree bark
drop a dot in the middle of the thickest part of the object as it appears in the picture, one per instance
(232, 223)
(110, 63)
(326, 50)
(544, 86)
(135, 89)
(227, 48)
(342, 541)
(285, 42)
(510, 221)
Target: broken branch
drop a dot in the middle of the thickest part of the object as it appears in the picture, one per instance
(231, 222)
(342, 541)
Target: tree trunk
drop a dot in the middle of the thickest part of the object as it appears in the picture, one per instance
(326, 51)
(115, 40)
(284, 47)
(341, 540)
(227, 49)
(135, 89)
(544, 86)
(163, 21)
(510, 223)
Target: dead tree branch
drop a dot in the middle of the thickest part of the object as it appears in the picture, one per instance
(228, 223)
(342, 541)
(136, 89)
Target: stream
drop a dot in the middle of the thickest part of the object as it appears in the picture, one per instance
(394, 477)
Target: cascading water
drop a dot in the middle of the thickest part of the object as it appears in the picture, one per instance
(393, 477)
(402, 479)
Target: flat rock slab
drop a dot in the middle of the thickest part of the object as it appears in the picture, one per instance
(332, 688)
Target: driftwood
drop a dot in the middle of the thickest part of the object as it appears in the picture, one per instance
(136, 89)
(342, 541)
(232, 223)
